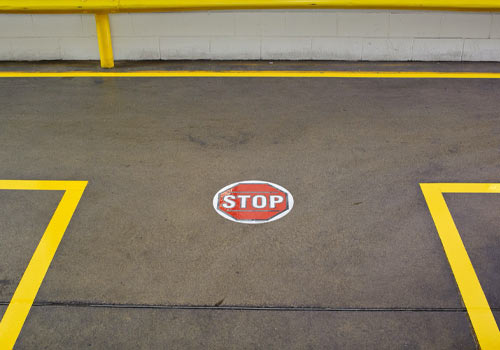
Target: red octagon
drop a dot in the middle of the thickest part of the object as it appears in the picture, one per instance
(253, 202)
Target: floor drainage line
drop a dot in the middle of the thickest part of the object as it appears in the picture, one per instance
(244, 308)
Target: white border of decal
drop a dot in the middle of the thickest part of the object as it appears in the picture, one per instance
(215, 202)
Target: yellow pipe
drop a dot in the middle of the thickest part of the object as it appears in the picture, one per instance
(107, 6)
(190, 5)
(58, 6)
(104, 40)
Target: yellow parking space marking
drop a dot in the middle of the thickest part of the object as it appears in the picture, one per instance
(473, 296)
(259, 74)
(22, 300)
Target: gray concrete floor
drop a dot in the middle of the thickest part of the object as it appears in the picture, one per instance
(358, 254)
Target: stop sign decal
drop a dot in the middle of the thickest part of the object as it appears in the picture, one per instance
(253, 202)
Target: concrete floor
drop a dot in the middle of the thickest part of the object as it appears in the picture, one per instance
(146, 258)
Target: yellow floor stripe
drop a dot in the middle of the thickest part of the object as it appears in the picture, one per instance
(479, 311)
(258, 74)
(20, 304)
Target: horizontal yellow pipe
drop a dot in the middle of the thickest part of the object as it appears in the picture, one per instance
(96, 6)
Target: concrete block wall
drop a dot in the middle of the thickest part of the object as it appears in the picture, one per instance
(269, 35)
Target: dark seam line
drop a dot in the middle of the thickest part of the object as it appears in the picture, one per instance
(246, 308)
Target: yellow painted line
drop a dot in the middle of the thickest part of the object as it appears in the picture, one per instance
(479, 311)
(258, 74)
(22, 300)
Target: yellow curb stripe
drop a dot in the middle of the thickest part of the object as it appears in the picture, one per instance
(258, 74)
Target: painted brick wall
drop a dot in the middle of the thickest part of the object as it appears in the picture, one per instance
(270, 35)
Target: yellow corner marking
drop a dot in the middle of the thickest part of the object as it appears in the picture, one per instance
(258, 74)
(473, 296)
(22, 300)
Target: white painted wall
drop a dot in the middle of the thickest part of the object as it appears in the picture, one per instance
(270, 35)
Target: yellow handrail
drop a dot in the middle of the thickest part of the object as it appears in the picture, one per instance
(108, 6)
